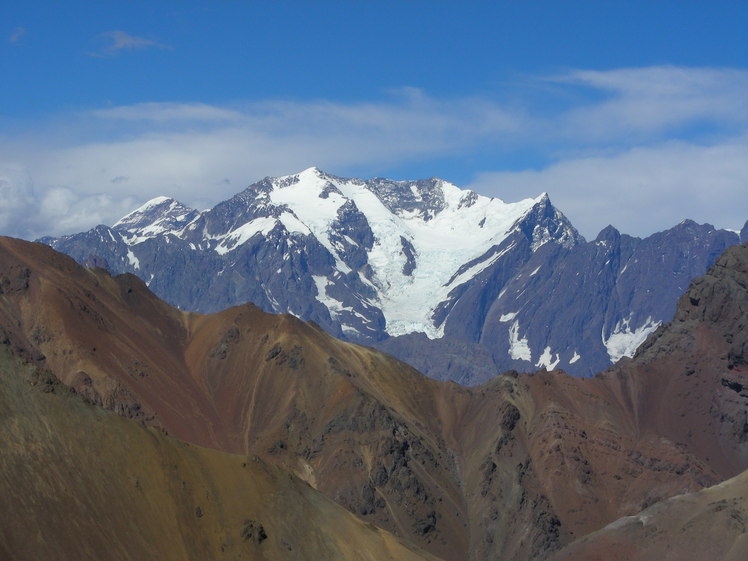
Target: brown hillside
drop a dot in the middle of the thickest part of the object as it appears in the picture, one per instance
(516, 468)
(340, 416)
(709, 524)
(79, 482)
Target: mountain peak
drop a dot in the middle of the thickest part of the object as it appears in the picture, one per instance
(159, 215)
(689, 224)
(544, 223)
(377, 252)
(313, 170)
(310, 176)
(609, 233)
(154, 203)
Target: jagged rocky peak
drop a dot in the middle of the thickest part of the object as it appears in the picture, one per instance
(608, 237)
(424, 198)
(688, 224)
(545, 223)
(158, 216)
(690, 230)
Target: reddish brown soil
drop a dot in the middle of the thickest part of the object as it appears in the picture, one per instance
(516, 468)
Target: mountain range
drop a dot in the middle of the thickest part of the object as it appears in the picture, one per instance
(242, 429)
(459, 285)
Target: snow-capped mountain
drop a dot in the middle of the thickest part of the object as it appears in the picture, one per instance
(578, 308)
(157, 216)
(459, 284)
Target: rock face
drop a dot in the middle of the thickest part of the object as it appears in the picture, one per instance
(515, 469)
(421, 269)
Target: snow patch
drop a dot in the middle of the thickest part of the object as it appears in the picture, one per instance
(623, 341)
(134, 261)
(540, 237)
(350, 330)
(575, 358)
(507, 317)
(546, 360)
(336, 307)
(478, 268)
(518, 347)
(293, 224)
(244, 233)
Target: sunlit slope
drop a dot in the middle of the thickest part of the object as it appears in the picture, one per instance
(360, 426)
(80, 483)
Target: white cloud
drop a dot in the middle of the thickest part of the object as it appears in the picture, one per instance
(189, 150)
(118, 41)
(642, 102)
(650, 147)
(16, 195)
(639, 190)
(70, 210)
(165, 112)
(31, 213)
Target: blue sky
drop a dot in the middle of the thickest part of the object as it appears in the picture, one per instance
(629, 113)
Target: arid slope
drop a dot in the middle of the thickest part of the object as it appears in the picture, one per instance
(709, 524)
(356, 424)
(514, 469)
(79, 482)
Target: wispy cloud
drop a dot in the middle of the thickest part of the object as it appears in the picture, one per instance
(639, 148)
(639, 190)
(642, 103)
(16, 35)
(118, 41)
(169, 112)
